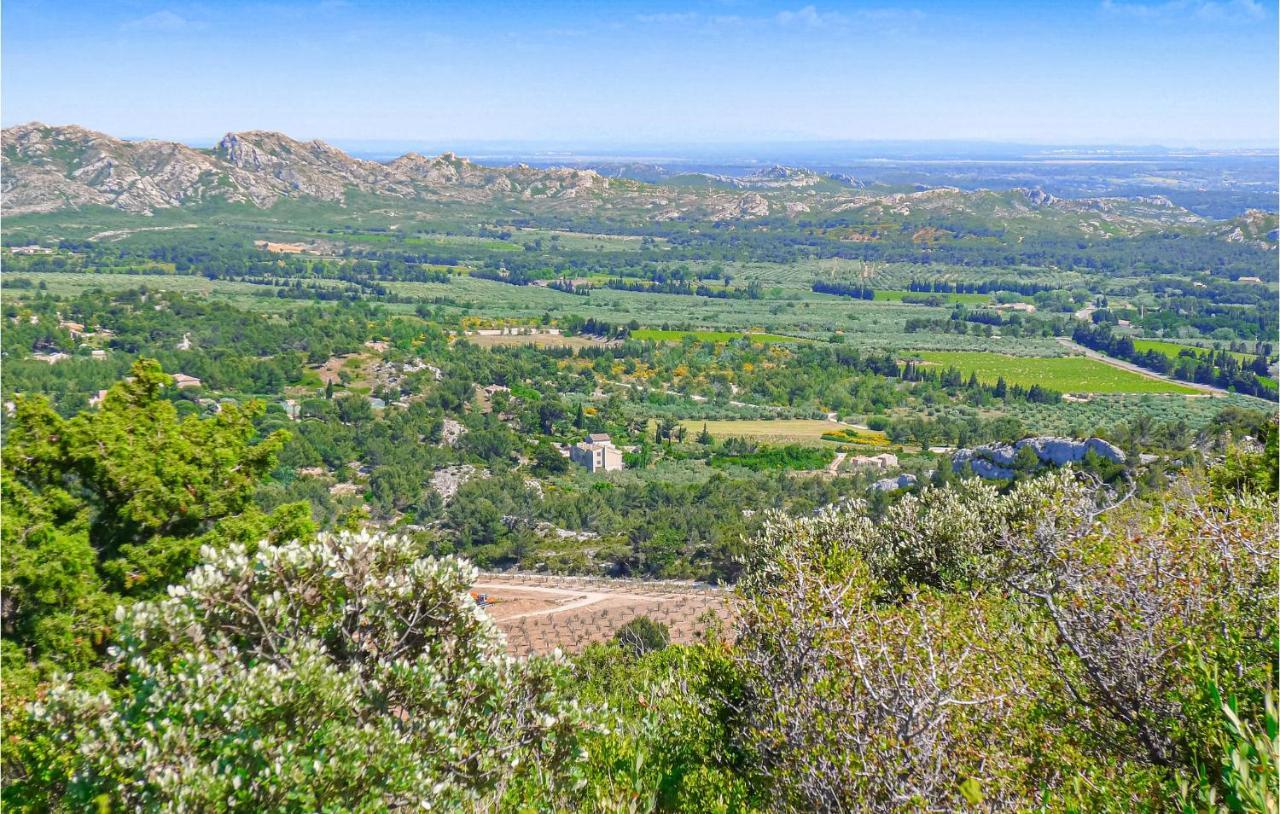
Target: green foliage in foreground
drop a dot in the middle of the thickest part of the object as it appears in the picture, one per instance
(113, 505)
(1046, 648)
(347, 674)
(1032, 653)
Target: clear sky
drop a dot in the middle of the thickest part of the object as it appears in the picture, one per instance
(1174, 72)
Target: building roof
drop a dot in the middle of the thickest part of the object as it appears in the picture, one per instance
(599, 438)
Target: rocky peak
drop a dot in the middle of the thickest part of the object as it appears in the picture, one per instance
(1038, 197)
(780, 173)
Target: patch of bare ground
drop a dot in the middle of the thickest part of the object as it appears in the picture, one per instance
(328, 371)
(540, 614)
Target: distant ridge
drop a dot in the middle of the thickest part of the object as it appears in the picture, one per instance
(54, 168)
(50, 168)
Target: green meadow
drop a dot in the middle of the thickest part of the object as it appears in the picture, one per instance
(1068, 374)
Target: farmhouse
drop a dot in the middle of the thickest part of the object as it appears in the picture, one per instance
(183, 381)
(597, 454)
(885, 460)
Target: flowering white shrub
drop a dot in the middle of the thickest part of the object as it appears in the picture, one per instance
(348, 673)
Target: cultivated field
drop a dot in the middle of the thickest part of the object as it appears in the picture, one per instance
(1105, 411)
(657, 335)
(539, 614)
(782, 431)
(1068, 374)
(541, 340)
(1172, 349)
(967, 299)
(783, 315)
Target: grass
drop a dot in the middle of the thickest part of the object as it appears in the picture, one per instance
(1171, 349)
(537, 340)
(805, 431)
(658, 335)
(967, 299)
(1068, 374)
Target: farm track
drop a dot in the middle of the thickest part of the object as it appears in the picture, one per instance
(539, 614)
(119, 234)
(834, 467)
(1120, 364)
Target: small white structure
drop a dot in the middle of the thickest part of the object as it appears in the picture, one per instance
(597, 454)
(883, 461)
(183, 381)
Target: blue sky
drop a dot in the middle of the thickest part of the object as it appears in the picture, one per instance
(1200, 72)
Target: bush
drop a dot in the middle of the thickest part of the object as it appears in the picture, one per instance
(642, 635)
(347, 672)
(1046, 644)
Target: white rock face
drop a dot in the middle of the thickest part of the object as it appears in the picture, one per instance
(449, 480)
(50, 168)
(995, 461)
(891, 484)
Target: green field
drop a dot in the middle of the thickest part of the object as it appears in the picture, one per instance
(967, 299)
(1068, 374)
(1171, 349)
(657, 335)
(798, 314)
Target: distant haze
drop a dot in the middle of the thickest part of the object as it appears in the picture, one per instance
(661, 77)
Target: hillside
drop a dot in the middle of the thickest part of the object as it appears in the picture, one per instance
(50, 169)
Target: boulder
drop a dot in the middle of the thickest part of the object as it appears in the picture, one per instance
(892, 484)
(996, 460)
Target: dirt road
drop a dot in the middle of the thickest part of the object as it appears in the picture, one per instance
(541, 613)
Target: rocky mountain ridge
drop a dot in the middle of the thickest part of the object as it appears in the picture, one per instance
(50, 168)
(47, 169)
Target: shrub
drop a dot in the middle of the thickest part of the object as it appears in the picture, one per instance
(1042, 648)
(642, 635)
(347, 672)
